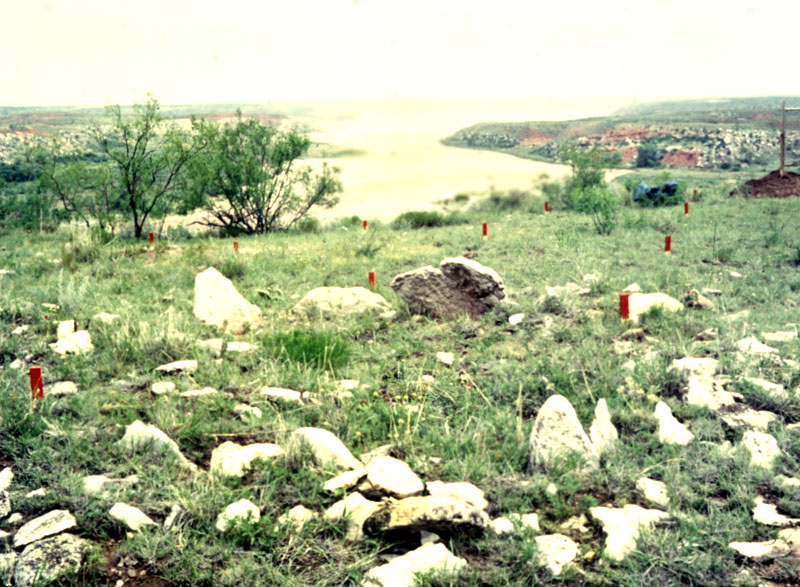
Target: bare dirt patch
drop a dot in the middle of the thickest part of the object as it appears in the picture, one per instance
(773, 185)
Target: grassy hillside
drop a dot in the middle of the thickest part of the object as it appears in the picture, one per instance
(470, 422)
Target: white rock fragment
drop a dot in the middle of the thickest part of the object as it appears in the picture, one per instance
(65, 327)
(556, 551)
(763, 448)
(285, 395)
(239, 347)
(466, 492)
(767, 513)
(401, 571)
(17, 364)
(204, 392)
(445, 358)
(217, 303)
(641, 303)
(670, 431)
(75, 344)
(105, 318)
(53, 522)
(233, 460)
(761, 550)
(622, 527)
(632, 288)
(61, 388)
(775, 390)
(516, 319)
(653, 491)
(346, 480)
(172, 518)
(298, 517)
(556, 433)
(19, 330)
(101, 484)
(138, 434)
(749, 418)
(247, 412)
(326, 449)
(734, 274)
(790, 535)
(6, 478)
(212, 345)
(163, 387)
(501, 526)
(393, 477)
(779, 337)
(64, 555)
(752, 346)
(355, 508)
(132, 517)
(602, 432)
(36, 493)
(184, 366)
(243, 510)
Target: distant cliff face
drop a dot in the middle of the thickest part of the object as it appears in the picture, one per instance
(693, 146)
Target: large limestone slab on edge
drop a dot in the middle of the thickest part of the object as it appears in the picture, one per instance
(556, 433)
(44, 561)
(218, 303)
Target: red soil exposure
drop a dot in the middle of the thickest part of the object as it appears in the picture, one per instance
(623, 133)
(679, 158)
(774, 186)
(628, 154)
(762, 116)
(534, 140)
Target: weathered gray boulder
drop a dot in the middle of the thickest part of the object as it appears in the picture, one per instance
(556, 433)
(335, 302)
(440, 514)
(216, 302)
(459, 287)
(392, 477)
(46, 560)
(52, 522)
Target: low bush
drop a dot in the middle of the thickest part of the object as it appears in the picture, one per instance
(319, 350)
(427, 219)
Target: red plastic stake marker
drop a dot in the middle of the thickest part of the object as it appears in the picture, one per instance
(235, 246)
(37, 389)
(667, 245)
(364, 225)
(546, 206)
(624, 308)
(152, 238)
(686, 208)
(695, 192)
(371, 278)
(485, 231)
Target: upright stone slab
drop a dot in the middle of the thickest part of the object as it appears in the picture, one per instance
(217, 303)
(556, 433)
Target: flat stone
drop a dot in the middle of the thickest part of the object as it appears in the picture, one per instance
(752, 346)
(204, 392)
(298, 517)
(432, 513)
(445, 358)
(670, 431)
(502, 526)
(767, 514)
(101, 484)
(707, 291)
(555, 551)
(212, 345)
(632, 288)
(602, 432)
(707, 334)
(50, 559)
(622, 527)
(392, 477)
(233, 460)
(105, 318)
(516, 319)
(689, 366)
(707, 392)
(336, 302)
(138, 435)
(694, 299)
(653, 491)
(19, 330)
(61, 388)
(36, 493)
(53, 522)
(327, 450)
(761, 550)
(556, 433)
(763, 448)
(466, 492)
(6, 478)
(779, 337)
(790, 536)
(735, 274)
(65, 327)
(356, 509)
(401, 571)
(239, 347)
(640, 303)
(132, 517)
(749, 418)
(73, 344)
(218, 303)
(775, 390)
(284, 395)
(345, 481)
(243, 510)
(247, 412)
(163, 387)
(184, 366)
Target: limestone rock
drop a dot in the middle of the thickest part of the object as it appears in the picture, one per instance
(622, 527)
(163, 387)
(65, 327)
(707, 392)
(761, 550)
(247, 412)
(602, 432)
(242, 510)
(555, 551)
(50, 559)
(686, 367)
(653, 491)
(105, 318)
(212, 345)
(217, 303)
(183, 366)
(752, 346)
(640, 303)
(632, 288)
(775, 390)
(356, 509)
(749, 418)
(172, 518)
(763, 448)
(694, 299)
(767, 514)
(6, 478)
(445, 358)
(138, 434)
(346, 480)
(400, 572)
(285, 395)
(239, 347)
(335, 302)
(466, 492)
(132, 517)
(558, 432)
(75, 343)
(459, 287)
(204, 392)
(707, 334)
(5, 504)
(516, 319)
(53, 522)
(392, 477)
(61, 388)
(102, 485)
(779, 337)
(298, 517)
(8, 561)
(670, 431)
(233, 460)
(501, 526)
(790, 535)
(326, 448)
(432, 513)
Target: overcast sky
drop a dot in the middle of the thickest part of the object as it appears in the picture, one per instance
(199, 51)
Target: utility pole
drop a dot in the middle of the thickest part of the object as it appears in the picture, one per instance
(784, 110)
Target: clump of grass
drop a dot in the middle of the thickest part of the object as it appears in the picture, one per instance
(320, 350)
(499, 201)
(233, 268)
(427, 219)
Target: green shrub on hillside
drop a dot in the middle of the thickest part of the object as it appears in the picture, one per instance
(320, 350)
(427, 219)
